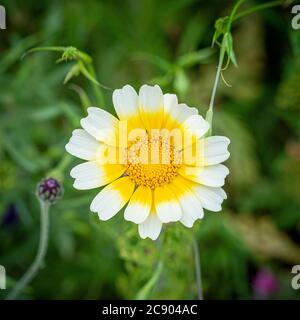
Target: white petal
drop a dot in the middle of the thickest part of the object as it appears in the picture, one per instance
(151, 227)
(211, 198)
(212, 176)
(215, 150)
(101, 125)
(89, 175)
(170, 103)
(126, 103)
(112, 198)
(139, 206)
(178, 115)
(222, 193)
(166, 205)
(151, 104)
(195, 126)
(190, 204)
(82, 145)
(185, 112)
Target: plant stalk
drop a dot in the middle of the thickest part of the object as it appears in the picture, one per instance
(197, 268)
(209, 114)
(259, 7)
(38, 261)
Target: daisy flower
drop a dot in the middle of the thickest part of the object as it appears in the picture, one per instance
(154, 159)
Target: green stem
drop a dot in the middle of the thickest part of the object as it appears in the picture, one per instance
(259, 7)
(38, 261)
(232, 15)
(97, 90)
(209, 114)
(59, 171)
(146, 289)
(62, 166)
(232, 18)
(197, 268)
(218, 74)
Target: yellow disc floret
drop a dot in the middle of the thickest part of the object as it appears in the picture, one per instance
(152, 161)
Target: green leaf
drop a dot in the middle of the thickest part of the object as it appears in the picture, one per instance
(181, 82)
(27, 159)
(89, 76)
(155, 60)
(229, 48)
(85, 101)
(73, 72)
(46, 113)
(192, 58)
(71, 113)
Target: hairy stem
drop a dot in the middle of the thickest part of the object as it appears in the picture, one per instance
(38, 261)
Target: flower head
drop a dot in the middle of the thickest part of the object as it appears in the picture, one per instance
(49, 190)
(153, 157)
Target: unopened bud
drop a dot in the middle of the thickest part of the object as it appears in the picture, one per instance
(49, 190)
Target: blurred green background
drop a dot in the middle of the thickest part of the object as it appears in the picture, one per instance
(247, 250)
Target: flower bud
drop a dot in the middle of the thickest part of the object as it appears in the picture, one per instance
(49, 190)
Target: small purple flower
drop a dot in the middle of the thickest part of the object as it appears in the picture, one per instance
(49, 190)
(265, 284)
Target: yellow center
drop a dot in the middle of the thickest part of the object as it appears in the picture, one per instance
(152, 162)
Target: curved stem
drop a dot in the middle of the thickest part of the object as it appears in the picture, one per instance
(259, 7)
(36, 265)
(197, 268)
(233, 12)
(209, 114)
(151, 283)
(210, 111)
(217, 78)
(222, 54)
(147, 288)
(97, 90)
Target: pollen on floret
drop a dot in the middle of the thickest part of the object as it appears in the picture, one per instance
(152, 161)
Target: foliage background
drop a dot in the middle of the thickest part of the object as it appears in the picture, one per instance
(164, 42)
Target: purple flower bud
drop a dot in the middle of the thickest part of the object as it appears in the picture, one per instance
(49, 190)
(265, 284)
